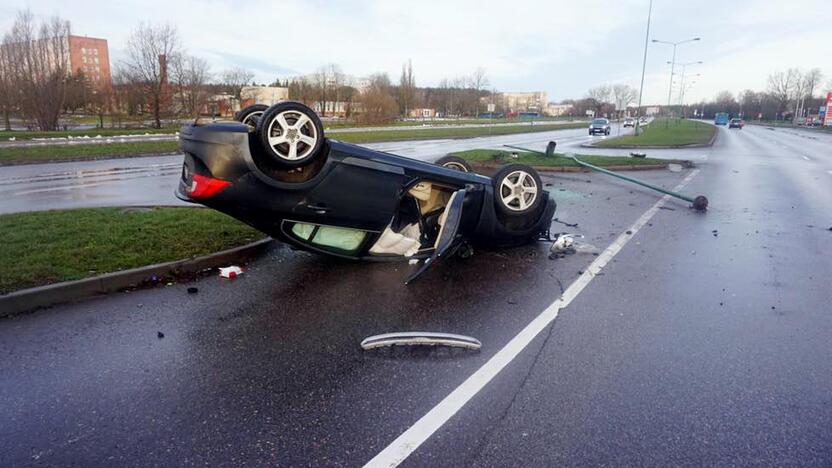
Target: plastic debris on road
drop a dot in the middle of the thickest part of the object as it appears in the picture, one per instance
(565, 244)
(674, 167)
(231, 271)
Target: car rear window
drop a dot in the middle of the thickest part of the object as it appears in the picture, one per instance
(338, 238)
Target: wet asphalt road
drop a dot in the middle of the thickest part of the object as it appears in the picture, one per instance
(152, 180)
(705, 341)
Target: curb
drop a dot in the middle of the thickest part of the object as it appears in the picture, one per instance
(30, 299)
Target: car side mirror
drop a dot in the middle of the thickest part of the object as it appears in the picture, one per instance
(550, 149)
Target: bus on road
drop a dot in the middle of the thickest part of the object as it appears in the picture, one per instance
(721, 118)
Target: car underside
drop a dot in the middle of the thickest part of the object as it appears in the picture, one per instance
(353, 202)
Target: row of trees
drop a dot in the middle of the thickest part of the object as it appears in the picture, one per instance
(608, 99)
(33, 70)
(790, 94)
(158, 76)
(379, 99)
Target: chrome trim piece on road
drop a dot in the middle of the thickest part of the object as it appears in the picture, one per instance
(420, 339)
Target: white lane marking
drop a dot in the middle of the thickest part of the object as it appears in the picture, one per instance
(804, 157)
(830, 172)
(434, 419)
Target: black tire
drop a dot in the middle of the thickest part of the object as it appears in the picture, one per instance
(250, 114)
(455, 163)
(509, 199)
(290, 146)
(607, 132)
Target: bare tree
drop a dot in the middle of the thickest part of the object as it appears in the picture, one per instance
(148, 50)
(806, 84)
(300, 89)
(623, 95)
(327, 81)
(479, 82)
(377, 104)
(781, 87)
(189, 75)
(234, 79)
(38, 67)
(601, 94)
(407, 88)
(6, 90)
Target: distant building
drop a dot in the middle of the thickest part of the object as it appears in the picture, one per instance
(267, 95)
(91, 56)
(557, 110)
(422, 113)
(87, 55)
(533, 101)
(333, 79)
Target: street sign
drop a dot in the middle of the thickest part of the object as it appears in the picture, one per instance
(491, 107)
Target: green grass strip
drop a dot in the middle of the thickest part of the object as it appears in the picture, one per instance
(52, 246)
(665, 132)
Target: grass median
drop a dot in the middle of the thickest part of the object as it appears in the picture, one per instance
(55, 153)
(74, 152)
(538, 160)
(665, 133)
(92, 133)
(52, 246)
(433, 133)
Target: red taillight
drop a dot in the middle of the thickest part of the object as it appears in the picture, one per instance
(205, 187)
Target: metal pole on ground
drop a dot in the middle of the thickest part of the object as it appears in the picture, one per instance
(700, 202)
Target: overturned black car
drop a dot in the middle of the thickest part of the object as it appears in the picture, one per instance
(275, 170)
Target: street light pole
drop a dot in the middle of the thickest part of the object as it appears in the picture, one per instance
(643, 67)
(673, 62)
(684, 67)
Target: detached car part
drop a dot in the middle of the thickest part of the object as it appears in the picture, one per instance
(278, 173)
(420, 339)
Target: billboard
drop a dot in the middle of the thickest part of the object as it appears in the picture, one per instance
(828, 118)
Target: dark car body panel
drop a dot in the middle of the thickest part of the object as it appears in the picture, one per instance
(355, 188)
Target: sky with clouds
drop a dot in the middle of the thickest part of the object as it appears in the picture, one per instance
(562, 47)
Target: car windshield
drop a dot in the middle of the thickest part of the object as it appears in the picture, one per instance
(599, 121)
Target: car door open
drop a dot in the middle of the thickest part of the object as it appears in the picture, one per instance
(447, 241)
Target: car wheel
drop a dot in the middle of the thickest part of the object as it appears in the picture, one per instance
(518, 190)
(607, 132)
(250, 114)
(291, 133)
(455, 163)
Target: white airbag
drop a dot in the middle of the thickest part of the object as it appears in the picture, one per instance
(391, 242)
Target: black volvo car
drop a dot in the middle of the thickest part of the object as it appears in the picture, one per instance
(274, 170)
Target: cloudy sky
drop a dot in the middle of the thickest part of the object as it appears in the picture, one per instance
(562, 47)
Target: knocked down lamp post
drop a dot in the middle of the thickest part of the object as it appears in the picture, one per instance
(700, 202)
